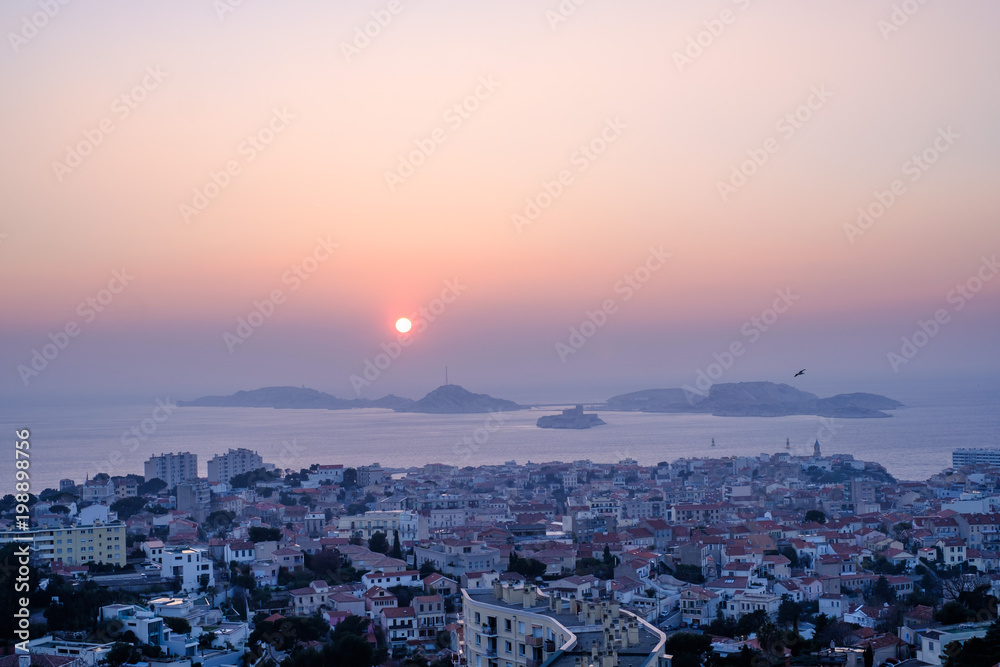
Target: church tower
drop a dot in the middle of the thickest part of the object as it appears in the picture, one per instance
(816, 453)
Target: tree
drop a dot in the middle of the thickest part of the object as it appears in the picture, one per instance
(975, 652)
(869, 656)
(689, 573)
(397, 548)
(752, 622)
(120, 654)
(350, 478)
(816, 515)
(954, 612)
(883, 593)
(326, 564)
(404, 595)
(378, 542)
(688, 648)
(347, 648)
(356, 508)
(529, 568)
(127, 507)
(262, 534)
(788, 612)
(791, 554)
(178, 625)
(247, 480)
(219, 520)
(151, 487)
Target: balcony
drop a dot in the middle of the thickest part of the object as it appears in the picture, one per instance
(489, 631)
(531, 662)
(531, 640)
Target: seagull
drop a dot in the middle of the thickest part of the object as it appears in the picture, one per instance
(799, 373)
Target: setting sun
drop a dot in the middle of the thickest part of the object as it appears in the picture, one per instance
(403, 325)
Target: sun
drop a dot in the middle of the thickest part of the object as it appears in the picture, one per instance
(403, 325)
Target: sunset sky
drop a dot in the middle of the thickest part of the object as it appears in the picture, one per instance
(117, 115)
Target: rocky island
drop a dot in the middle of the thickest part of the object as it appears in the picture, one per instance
(754, 399)
(572, 418)
(446, 399)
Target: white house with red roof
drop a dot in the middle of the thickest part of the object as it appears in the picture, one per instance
(377, 599)
(399, 624)
(438, 583)
(306, 601)
(408, 578)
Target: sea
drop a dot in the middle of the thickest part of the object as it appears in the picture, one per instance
(78, 441)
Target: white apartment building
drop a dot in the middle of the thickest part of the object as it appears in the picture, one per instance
(188, 565)
(457, 557)
(519, 626)
(411, 525)
(172, 468)
(223, 467)
(75, 545)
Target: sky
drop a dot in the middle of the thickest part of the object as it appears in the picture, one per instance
(584, 197)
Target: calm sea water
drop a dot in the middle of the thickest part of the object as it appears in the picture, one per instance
(76, 442)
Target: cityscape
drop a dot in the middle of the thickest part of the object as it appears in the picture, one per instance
(765, 557)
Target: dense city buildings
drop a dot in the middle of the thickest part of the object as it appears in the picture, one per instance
(536, 564)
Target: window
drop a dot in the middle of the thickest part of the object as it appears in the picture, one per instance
(506, 624)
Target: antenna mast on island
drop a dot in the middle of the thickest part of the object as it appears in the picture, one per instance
(446, 375)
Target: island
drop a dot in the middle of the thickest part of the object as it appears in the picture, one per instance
(446, 399)
(572, 418)
(753, 399)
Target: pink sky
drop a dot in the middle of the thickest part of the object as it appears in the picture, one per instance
(534, 94)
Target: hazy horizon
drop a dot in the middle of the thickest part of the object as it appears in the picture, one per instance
(440, 163)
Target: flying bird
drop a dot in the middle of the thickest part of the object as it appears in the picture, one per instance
(799, 373)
